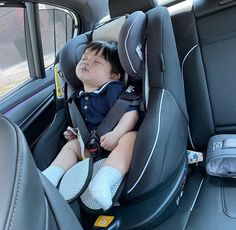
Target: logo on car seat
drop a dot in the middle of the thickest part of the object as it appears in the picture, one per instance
(130, 89)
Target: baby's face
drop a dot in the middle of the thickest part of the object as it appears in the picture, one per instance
(93, 70)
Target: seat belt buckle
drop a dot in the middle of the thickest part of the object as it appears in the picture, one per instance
(94, 144)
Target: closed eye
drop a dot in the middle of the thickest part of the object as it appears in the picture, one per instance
(84, 57)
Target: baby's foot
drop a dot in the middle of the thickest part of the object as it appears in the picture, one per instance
(101, 184)
(101, 192)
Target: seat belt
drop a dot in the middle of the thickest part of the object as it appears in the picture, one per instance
(113, 117)
(78, 121)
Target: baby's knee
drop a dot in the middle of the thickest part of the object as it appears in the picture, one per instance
(72, 145)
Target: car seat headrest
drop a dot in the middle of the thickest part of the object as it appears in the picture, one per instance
(110, 30)
(122, 7)
(131, 44)
(128, 31)
(69, 57)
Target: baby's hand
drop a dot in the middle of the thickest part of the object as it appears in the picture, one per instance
(69, 135)
(109, 141)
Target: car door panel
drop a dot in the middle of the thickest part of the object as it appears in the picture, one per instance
(31, 107)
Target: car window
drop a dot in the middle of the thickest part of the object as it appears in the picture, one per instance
(14, 69)
(56, 27)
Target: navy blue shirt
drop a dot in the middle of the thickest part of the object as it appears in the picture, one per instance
(94, 106)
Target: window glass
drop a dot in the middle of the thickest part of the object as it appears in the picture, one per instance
(60, 29)
(69, 28)
(56, 29)
(46, 18)
(13, 62)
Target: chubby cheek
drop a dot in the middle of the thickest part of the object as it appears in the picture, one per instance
(103, 75)
(77, 70)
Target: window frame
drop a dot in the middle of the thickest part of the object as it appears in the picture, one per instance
(75, 23)
(29, 79)
(33, 41)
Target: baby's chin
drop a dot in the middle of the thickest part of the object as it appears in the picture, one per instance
(82, 76)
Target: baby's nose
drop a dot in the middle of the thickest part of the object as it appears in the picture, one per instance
(86, 63)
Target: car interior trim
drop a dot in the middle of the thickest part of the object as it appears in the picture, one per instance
(33, 35)
(37, 111)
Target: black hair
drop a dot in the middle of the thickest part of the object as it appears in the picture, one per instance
(109, 51)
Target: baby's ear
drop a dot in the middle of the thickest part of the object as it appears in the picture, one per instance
(115, 76)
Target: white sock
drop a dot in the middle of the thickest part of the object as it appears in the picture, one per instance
(101, 184)
(54, 174)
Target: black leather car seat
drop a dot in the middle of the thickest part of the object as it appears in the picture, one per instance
(205, 37)
(27, 200)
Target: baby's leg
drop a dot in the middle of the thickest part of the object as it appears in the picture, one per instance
(115, 167)
(121, 156)
(68, 156)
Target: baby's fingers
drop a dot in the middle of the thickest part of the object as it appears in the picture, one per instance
(68, 133)
(102, 143)
(102, 138)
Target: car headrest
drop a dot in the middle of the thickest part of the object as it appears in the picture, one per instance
(122, 7)
(128, 31)
(109, 30)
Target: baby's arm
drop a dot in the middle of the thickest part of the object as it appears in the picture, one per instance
(126, 124)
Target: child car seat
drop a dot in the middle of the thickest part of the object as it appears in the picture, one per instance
(158, 167)
(133, 66)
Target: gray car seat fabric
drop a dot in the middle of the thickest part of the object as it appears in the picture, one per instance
(24, 202)
(160, 146)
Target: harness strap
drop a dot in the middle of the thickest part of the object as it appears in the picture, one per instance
(113, 117)
(78, 121)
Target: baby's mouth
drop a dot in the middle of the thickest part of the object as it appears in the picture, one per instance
(84, 69)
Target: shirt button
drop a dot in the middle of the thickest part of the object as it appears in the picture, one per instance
(86, 98)
(85, 107)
